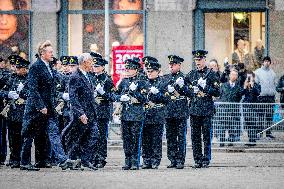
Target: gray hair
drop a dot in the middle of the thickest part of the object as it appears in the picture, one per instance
(84, 57)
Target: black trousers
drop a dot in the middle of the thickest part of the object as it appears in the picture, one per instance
(152, 143)
(81, 140)
(35, 130)
(15, 141)
(101, 146)
(131, 136)
(3, 141)
(266, 111)
(176, 130)
(201, 125)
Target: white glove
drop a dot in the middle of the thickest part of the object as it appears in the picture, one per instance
(124, 98)
(171, 89)
(95, 94)
(100, 89)
(195, 89)
(20, 87)
(154, 90)
(13, 95)
(202, 82)
(180, 81)
(133, 86)
(65, 96)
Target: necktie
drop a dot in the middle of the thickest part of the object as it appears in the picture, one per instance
(49, 70)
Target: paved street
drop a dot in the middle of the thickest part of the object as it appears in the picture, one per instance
(228, 170)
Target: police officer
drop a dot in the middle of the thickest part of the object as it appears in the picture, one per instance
(177, 108)
(16, 93)
(131, 92)
(4, 77)
(202, 84)
(155, 115)
(104, 87)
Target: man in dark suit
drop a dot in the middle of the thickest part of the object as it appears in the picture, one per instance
(39, 109)
(81, 134)
(232, 92)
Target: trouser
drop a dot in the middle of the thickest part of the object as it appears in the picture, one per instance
(35, 130)
(57, 151)
(266, 111)
(15, 141)
(3, 141)
(81, 141)
(201, 125)
(152, 143)
(176, 129)
(131, 136)
(101, 146)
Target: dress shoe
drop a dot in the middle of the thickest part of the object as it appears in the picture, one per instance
(66, 164)
(43, 165)
(90, 166)
(29, 168)
(134, 167)
(76, 165)
(172, 165)
(197, 166)
(15, 165)
(146, 166)
(180, 166)
(205, 164)
(155, 166)
(126, 167)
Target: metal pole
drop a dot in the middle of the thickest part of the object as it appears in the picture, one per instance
(107, 30)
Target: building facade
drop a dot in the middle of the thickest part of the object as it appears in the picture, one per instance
(162, 27)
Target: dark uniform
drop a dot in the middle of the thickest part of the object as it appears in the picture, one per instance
(201, 109)
(4, 77)
(176, 119)
(15, 112)
(104, 110)
(155, 116)
(132, 116)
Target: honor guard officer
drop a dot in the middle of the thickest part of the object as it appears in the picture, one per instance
(176, 120)
(201, 84)
(16, 94)
(104, 87)
(4, 77)
(131, 92)
(155, 115)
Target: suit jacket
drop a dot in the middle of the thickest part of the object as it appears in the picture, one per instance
(81, 92)
(42, 91)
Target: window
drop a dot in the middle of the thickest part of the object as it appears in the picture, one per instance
(86, 25)
(240, 36)
(14, 28)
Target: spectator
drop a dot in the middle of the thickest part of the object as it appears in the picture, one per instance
(213, 64)
(266, 77)
(251, 93)
(258, 53)
(280, 89)
(231, 92)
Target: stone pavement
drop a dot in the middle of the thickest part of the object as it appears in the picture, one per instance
(229, 169)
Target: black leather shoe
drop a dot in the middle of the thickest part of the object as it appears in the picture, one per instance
(205, 164)
(134, 167)
(90, 166)
(15, 165)
(126, 167)
(197, 166)
(100, 165)
(146, 166)
(172, 165)
(180, 166)
(155, 166)
(66, 164)
(43, 165)
(29, 168)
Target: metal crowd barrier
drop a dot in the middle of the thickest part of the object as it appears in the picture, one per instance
(235, 124)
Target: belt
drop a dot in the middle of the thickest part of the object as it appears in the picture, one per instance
(153, 105)
(178, 97)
